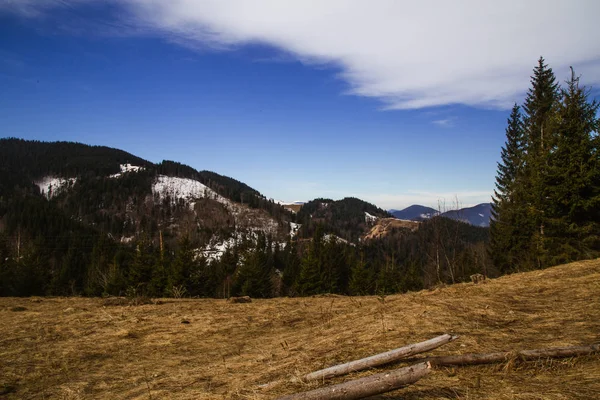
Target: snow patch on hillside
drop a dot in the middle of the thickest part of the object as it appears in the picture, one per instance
(370, 218)
(216, 248)
(51, 186)
(127, 168)
(214, 251)
(294, 228)
(184, 188)
(189, 190)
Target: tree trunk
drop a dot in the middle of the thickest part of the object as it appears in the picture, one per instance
(368, 386)
(491, 358)
(380, 359)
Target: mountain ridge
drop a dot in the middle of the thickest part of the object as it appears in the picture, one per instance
(478, 215)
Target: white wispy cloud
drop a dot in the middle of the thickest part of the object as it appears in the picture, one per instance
(407, 54)
(445, 123)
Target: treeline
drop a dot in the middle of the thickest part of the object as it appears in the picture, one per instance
(69, 259)
(35, 159)
(546, 208)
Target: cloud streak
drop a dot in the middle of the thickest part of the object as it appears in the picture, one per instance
(406, 54)
(444, 123)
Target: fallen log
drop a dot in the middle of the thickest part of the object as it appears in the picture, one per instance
(367, 386)
(525, 355)
(380, 359)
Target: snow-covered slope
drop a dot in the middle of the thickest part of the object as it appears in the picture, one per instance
(247, 220)
(51, 186)
(184, 188)
(126, 168)
(370, 218)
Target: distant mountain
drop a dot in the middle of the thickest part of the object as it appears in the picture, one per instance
(414, 213)
(478, 215)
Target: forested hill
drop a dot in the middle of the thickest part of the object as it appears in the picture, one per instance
(78, 219)
(61, 202)
(347, 218)
(34, 159)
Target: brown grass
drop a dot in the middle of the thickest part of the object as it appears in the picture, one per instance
(77, 348)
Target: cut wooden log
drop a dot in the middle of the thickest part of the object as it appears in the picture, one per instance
(380, 359)
(368, 386)
(491, 358)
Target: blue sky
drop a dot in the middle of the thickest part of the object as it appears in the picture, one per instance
(299, 101)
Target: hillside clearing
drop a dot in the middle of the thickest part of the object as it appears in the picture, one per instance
(75, 348)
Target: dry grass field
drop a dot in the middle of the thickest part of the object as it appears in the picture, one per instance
(82, 348)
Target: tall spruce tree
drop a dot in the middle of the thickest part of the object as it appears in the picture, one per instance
(361, 277)
(572, 182)
(539, 107)
(310, 280)
(507, 210)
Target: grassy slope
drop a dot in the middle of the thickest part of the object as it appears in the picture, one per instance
(74, 348)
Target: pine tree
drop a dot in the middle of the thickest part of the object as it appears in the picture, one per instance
(179, 274)
(389, 279)
(310, 279)
(291, 266)
(572, 184)
(361, 279)
(333, 265)
(140, 272)
(507, 210)
(254, 277)
(540, 107)
(512, 158)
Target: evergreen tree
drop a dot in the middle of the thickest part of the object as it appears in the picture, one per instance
(508, 213)
(254, 277)
(361, 279)
(334, 261)
(291, 266)
(512, 158)
(310, 279)
(389, 279)
(180, 271)
(540, 106)
(572, 184)
(140, 272)
(227, 266)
